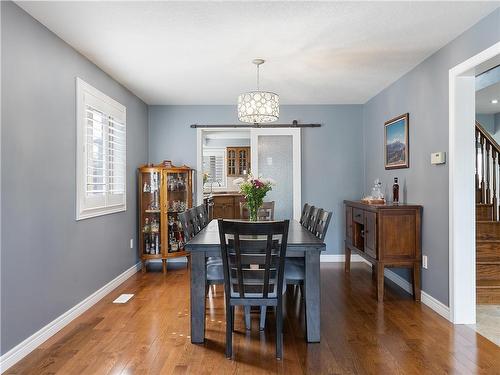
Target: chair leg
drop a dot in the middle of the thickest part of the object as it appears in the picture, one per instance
(279, 331)
(248, 321)
(263, 311)
(229, 331)
(232, 318)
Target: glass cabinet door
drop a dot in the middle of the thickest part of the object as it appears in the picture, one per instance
(231, 161)
(178, 192)
(150, 212)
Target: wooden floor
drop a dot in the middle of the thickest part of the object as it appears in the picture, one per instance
(150, 335)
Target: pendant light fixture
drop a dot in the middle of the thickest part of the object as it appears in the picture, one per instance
(258, 107)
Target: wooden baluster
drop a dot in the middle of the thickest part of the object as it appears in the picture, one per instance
(488, 191)
(478, 195)
(494, 167)
(482, 171)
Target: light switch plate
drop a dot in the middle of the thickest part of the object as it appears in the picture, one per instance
(438, 158)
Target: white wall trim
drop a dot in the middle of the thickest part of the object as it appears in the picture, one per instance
(462, 245)
(436, 305)
(31, 343)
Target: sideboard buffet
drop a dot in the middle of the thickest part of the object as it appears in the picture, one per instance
(387, 235)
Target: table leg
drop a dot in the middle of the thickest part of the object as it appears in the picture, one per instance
(313, 294)
(198, 281)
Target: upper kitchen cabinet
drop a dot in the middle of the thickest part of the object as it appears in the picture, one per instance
(238, 161)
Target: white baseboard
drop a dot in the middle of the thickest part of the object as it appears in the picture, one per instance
(436, 305)
(31, 343)
(340, 258)
(398, 280)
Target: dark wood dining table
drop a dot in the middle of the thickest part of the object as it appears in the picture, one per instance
(301, 244)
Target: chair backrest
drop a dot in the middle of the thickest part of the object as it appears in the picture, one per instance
(187, 224)
(197, 226)
(322, 224)
(253, 258)
(305, 213)
(307, 218)
(313, 218)
(201, 212)
(266, 212)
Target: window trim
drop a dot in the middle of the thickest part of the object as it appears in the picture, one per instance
(117, 109)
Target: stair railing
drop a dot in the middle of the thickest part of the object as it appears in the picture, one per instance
(487, 165)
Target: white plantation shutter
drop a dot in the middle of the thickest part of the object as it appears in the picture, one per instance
(101, 155)
(214, 164)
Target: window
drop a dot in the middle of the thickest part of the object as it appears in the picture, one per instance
(101, 153)
(214, 167)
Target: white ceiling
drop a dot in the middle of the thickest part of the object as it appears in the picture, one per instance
(484, 98)
(201, 52)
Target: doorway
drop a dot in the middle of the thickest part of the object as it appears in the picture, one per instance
(275, 153)
(462, 234)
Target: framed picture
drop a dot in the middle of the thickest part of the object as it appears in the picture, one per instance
(396, 143)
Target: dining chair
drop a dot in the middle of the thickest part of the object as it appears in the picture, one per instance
(313, 218)
(307, 216)
(197, 225)
(265, 213)
(187, 225)
(295, 267)
(213, 265)
(253, 258)
(201, 212)
(322, 224)
(305, 213)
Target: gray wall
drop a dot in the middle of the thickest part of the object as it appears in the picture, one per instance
(423, 92)
(50, 262)
(332, 156)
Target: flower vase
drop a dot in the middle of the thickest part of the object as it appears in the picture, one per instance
(253, 213)
(253, 210)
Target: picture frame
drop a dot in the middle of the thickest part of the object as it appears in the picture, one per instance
(397, 142)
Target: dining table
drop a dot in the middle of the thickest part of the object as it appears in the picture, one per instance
(301, 244)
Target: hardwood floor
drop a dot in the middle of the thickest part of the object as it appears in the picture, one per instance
(150, 335)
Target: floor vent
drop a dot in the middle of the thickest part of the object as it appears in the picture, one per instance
(123, 298)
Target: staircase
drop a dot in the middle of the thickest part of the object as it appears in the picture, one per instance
(487, 218)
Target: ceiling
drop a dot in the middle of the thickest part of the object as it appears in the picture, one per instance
(484, 98)
(201, 52)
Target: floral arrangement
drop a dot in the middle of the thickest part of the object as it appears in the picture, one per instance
(254, 190)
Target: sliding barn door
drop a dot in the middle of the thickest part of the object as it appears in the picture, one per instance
(276, 154)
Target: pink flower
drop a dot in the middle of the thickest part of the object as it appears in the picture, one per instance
(257, 183)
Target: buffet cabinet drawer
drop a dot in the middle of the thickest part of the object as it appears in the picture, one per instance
(358, 216)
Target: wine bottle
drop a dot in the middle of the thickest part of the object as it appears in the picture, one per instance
(395, 191)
